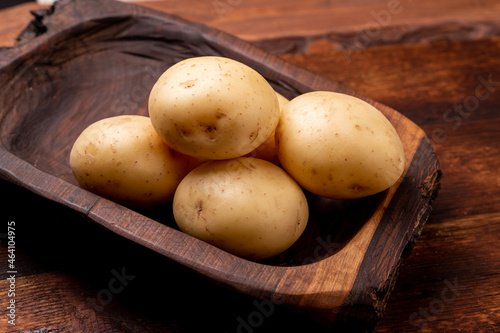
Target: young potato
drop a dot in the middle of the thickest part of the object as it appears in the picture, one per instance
(339, 146)
(282, 100)
(213, 108)
(123, 159)
(269, 149)
(246, 206)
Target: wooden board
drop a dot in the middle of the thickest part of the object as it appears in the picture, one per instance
(98, 59)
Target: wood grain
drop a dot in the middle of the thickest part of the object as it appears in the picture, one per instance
(423, 81)
(408, 78)
(127, 42)
(340, 21)
(295, 26)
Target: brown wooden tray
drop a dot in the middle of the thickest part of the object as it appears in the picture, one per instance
(82, 61)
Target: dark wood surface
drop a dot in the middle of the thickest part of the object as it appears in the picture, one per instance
(450, 280)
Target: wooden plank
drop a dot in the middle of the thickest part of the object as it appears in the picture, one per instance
(459, 241)
(14, 20)
(292, 26)
(57, 302)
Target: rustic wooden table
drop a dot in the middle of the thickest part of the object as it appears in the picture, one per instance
(438, 63)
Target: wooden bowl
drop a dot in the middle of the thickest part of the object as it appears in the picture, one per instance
(82, 61)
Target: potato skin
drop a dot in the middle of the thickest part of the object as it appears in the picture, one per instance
(246, 206)
(268, 150)
(282, 100)
(338, 146)
(123, 159)
(213, 108)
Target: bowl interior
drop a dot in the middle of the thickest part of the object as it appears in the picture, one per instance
(61, 91)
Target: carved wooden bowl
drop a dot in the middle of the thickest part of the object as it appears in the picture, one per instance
(82, 61)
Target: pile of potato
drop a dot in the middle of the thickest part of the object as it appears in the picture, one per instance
(233, 156)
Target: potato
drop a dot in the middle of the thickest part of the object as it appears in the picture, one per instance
(123, 159)
(282, 100)
(269, 149)
(246, 206)
(339, 146)
(213, 108)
